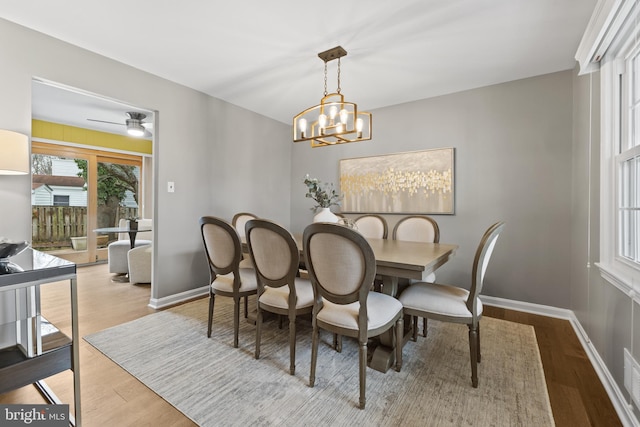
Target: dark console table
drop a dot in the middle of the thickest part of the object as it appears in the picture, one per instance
(41, 350)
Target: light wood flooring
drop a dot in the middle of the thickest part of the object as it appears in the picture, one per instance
(110, 396)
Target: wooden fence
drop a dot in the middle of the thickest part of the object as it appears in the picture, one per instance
(54, 226)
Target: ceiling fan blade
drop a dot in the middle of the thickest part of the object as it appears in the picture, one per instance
(105, 121)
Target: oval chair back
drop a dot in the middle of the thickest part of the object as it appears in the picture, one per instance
(240, 220)
(372, 226)
(481, 262)
(416, 228)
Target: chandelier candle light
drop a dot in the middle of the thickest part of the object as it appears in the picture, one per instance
(334, 120)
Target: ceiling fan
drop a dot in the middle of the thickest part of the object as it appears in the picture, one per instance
(135, 124)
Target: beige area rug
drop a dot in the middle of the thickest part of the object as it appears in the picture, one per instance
(215, 384)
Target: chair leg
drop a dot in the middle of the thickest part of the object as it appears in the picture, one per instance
(414, 333)
(246, 306)
(363, 372)
(337, 342)
(258, 331)
(424, 327)
(473, 350)
(399, 339)
(292, 344)
(314, 354)
(479, 357)
(236, 320)
(211, 301)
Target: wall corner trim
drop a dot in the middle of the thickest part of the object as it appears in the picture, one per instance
(618, 400)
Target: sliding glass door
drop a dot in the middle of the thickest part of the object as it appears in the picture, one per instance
(77, 190)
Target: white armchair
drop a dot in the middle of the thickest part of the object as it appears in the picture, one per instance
(140, 264)
(117, 250)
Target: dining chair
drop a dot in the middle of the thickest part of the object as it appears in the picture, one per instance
(342, 267)
(372, 226)
(418, 228)
(276, 258)
(454, 304)
(239, 221)
(224, 251)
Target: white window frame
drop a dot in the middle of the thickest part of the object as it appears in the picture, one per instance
(630, 133)
(610, 39)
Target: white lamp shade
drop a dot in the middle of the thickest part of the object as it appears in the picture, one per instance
(14, 153)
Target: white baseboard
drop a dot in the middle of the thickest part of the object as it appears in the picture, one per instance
(623, 408)
(527, 307)
(174, 299)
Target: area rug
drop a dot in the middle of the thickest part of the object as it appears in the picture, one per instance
(214, 384)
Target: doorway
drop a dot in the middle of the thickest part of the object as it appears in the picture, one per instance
(88, 172)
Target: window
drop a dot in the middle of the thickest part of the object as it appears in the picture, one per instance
(611, 44)
(628, 162)
(60, 200)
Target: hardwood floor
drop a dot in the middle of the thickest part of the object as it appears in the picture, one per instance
(110, 396)
(577, 396)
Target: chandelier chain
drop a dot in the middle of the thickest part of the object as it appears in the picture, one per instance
(338, 75)
(325, 78)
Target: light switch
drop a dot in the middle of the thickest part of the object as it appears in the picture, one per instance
(171, 187)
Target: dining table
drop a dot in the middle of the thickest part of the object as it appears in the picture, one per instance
(399, 259)
(132, 232)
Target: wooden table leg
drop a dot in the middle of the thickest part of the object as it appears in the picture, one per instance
(384, 355)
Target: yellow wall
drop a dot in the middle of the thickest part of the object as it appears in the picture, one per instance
(59, 132)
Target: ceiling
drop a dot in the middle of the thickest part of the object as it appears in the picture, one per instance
(262, 55)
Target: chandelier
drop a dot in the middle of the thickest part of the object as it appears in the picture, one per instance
(334, 120)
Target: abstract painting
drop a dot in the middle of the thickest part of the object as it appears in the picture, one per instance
(418, 182)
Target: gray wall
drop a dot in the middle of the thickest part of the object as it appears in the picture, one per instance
(213, 151)
(513, 145)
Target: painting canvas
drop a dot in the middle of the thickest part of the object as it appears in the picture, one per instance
(419, 182)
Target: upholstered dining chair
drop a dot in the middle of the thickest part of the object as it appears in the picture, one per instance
(453, 304)
(224, 251)
(342, 267)
(372, 226)
(417, 228)
(239, 221)
(276, 257)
